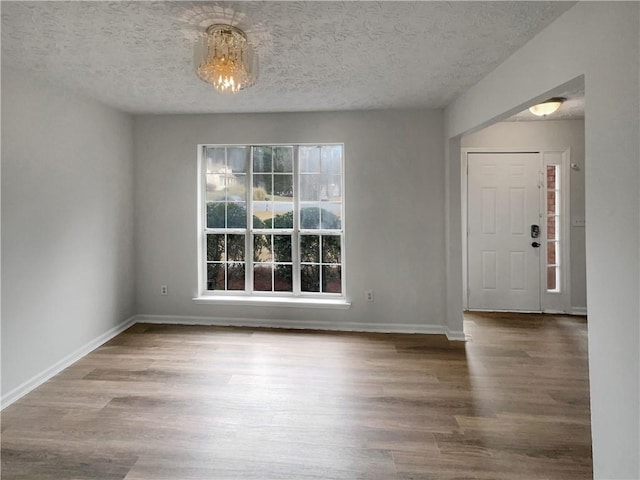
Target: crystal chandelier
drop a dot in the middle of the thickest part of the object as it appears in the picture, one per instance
(225, 59)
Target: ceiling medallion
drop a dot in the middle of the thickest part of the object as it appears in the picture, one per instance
(225, 59)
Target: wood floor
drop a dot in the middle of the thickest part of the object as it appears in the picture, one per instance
(190, 402)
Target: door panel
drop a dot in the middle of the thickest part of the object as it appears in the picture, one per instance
(503, 203)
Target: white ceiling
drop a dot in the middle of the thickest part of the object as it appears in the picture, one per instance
(314, 56)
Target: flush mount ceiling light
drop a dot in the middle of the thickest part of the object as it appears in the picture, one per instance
(225, 59)
(548, 107)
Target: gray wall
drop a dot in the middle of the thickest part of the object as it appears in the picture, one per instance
(67, 225)
(597, 40)
(552, 135)
(394, 196)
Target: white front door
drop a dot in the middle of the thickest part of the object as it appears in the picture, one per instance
(503, 203)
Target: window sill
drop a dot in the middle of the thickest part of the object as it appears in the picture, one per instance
(240, 300)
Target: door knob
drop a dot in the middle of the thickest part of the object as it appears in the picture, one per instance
(535, 244)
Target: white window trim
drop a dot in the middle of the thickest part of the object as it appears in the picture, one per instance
(273, 301)
(278, 299)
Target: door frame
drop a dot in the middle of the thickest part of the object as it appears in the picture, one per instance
(550, 302)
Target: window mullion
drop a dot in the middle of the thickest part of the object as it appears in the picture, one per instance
(249, 230)
(295, 236)
(204, 277)
(225, 260)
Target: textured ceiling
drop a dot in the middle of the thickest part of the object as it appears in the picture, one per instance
(314, 56)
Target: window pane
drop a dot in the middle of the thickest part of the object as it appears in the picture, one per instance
(282, 205)
(262, 278)
(331, 158)
(331, 279)
(283, 216)
(262, 187)
(331, 249)
(236, 189)
(310, 187)
(551, 228)
(323, 189)
(215, 215)
(310, 248)
(334, 191)
(262, 212)
(237, 159)
(283, 159)
(236, 215)
(551, 176)
(309, 217)
(214, 159)
(262, 159)
(320, 188)
(551, 253)
(283, 278)
(552, 278)
(226, 187)
(282, 188)
(282, 248)
(257, 221)
(310, 278)
(235, 276)
(309, 159)
(262, 251)
(215, 248)
(331, 220)
(552, 203)
(215, 188)
(215, 276)
(273, 215)
(235, 248)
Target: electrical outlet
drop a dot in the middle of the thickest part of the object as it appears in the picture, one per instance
(369, 295)
(164, 290)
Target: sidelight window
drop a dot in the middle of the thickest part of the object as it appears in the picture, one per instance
(553, 209)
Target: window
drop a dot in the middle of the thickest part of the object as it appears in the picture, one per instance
(272, 220)
(553, 228)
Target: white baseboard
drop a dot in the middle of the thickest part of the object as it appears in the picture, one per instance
(578, 310)
(303, 325)
(56, 368)
(456, 335)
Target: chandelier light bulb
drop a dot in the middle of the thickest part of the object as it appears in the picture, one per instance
(225, 59)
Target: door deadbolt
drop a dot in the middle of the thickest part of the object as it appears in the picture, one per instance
(535, 231)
